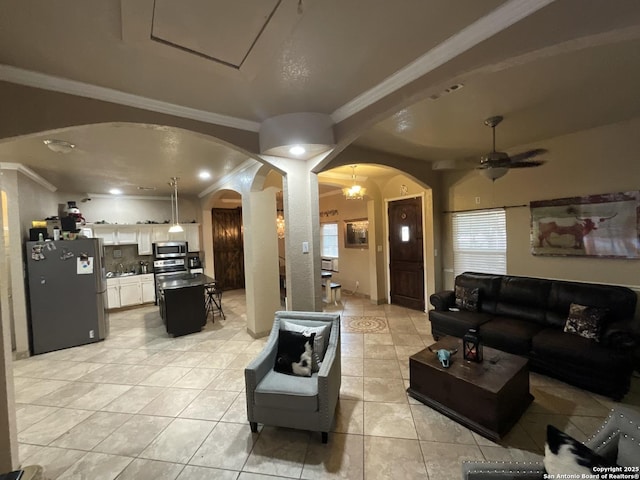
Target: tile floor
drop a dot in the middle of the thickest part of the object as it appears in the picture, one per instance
(144, 406)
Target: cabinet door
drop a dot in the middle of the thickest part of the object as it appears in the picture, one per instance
(106, 233)
(127, 235)
(148, 292)
(113, 296)
(179, 236)
(144, 241)
(130, 294)
(160, 233)
(192, 231)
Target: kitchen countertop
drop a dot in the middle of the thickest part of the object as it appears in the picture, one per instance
(185, 280)
(124, 275)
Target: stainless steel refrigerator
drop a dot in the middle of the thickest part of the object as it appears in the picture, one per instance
(67, 286)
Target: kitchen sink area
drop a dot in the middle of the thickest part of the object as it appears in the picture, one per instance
(122, 274)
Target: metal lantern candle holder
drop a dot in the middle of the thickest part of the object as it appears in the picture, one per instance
(471, 346)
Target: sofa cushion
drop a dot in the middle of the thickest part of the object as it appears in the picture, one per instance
(585, 321)
(287, 392)
(570, 349)
(320, 342)
(512, 335)
(523, 297)
(564, 455)
(620, 301)
(456, 323)
(488, 288)
(295, 353)
(467, 298)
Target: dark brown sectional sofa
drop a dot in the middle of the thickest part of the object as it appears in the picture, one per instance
(526, 316)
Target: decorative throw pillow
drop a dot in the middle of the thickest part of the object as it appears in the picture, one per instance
(294, 354)
(319, 344)
(467, 298)
(565, 455)
(585, 321)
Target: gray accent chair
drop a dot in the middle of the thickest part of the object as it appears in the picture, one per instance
(618, 440)
(305, 403)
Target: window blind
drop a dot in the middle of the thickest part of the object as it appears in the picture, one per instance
(480, 242)
(329, 240)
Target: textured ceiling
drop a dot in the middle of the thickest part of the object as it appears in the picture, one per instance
(569, 66)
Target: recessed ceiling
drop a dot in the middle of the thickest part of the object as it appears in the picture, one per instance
(224, 31)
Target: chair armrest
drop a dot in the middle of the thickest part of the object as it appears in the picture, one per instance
(502, 470)
(330, 377)
(623, 422)
(443, 300)
(255, 371)
(619, 335)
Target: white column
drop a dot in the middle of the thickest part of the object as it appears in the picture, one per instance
(262, 285)
(302, 236)
(8, 429)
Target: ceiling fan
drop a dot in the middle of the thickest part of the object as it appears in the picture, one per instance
(496, 164)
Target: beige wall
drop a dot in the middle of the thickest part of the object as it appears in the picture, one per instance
(353, 263)
(599, 160)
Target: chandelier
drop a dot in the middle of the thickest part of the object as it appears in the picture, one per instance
(355, 191)
(175, 227)
(280, 225)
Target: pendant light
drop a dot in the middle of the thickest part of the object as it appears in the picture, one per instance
(175, 228)
(355, 191)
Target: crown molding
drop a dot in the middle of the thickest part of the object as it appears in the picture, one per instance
(30, 78)
(27, 172)
(110, 196)
(499, 19)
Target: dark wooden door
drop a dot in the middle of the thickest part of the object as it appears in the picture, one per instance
(406, 258)
(228, 251)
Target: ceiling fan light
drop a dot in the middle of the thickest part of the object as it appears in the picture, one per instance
(493, 173)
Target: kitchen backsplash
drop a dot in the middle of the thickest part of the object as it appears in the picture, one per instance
(127, 257)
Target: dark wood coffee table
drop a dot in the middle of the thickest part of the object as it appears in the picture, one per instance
(487, 397)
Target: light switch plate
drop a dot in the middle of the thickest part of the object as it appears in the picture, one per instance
(305, 247)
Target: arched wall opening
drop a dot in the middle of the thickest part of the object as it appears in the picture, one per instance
(365, 271)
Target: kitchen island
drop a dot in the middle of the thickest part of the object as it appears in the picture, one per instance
(182, 302)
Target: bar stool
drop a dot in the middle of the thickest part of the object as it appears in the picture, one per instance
(213, 301)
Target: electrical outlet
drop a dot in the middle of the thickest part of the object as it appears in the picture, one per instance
(92, 334)
(357, 283)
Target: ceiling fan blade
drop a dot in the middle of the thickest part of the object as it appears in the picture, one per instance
(527, 164)
(518, 157)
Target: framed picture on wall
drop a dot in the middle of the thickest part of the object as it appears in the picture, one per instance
(606, 225)
(356, 233)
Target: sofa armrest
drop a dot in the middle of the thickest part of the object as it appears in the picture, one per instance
(619, 335)
(443, 300)
(476, 470)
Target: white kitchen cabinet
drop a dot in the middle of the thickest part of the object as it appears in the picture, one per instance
(113, 293)
(116, 235)
(107, 233)
(160, 233)
(192, 236)
(130, 291)
(127, 235)
(145, 241)
(148, 288)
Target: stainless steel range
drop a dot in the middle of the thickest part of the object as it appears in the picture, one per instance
(163, 269)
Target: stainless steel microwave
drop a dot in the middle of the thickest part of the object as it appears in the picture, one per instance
(170, 249)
